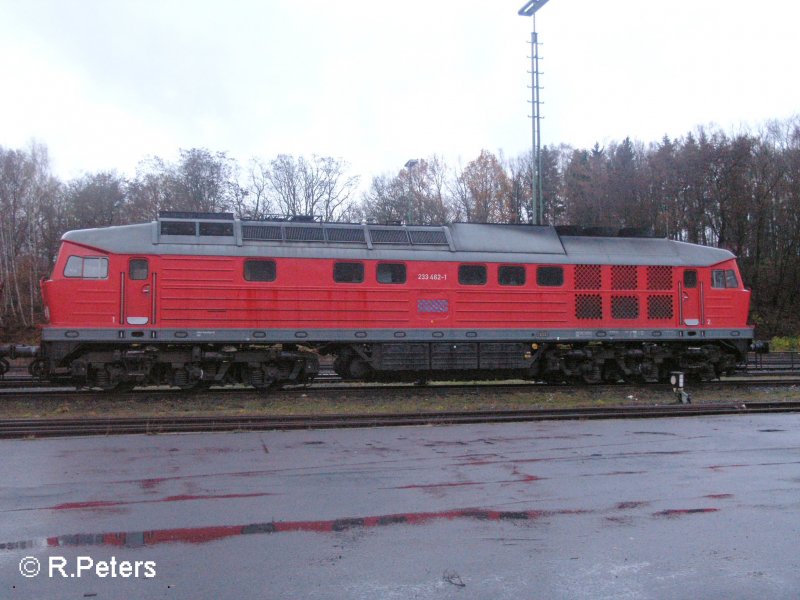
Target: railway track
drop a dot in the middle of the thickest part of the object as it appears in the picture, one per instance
(37, 428)
(335, 388)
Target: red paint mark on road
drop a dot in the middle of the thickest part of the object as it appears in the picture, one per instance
(198, 535)
(181, 498)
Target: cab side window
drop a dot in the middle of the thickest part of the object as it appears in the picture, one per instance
(86, 267)
(718, 278)
(724, 279)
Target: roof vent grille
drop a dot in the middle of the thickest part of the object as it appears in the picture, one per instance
(304, 234)
(433, 237)
(261, 232)
(388, 236)
(346, 234)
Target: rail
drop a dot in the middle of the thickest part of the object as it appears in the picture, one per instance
(27, 428)
(776, 362)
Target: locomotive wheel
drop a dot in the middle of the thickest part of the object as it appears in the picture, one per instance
(107, 377)
(358, 368)
(611, 373)
(342, 362)
(265, 377)
(592, 374)
(349, 365)
(187, 378)
(37, 369)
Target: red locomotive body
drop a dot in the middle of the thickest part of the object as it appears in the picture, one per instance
(195, 298)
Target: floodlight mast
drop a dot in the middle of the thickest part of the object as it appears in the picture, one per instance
(537, 201)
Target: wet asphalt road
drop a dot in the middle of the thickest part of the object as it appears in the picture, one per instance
(667, 508)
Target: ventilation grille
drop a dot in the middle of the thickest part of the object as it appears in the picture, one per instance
(659, 307)
(388, 236)
(624, 307)
(343, 234)
(346, 234)
(659, 278)
(431, 238)
(304, 234)
(261, 232)
(624, 277)
(588, 277)
(432, 306)
(588, 306)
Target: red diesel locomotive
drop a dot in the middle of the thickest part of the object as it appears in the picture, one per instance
(197, 299)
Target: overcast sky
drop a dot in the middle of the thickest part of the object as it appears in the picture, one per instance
(105, 83)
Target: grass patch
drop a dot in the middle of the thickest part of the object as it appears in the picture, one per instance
(785, 344)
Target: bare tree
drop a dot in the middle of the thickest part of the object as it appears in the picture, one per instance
(26, 187)
(257, 203)
(319, 186)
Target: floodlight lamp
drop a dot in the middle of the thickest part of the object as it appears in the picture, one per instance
(530, 8)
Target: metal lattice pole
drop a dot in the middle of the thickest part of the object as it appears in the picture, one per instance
(537, 196)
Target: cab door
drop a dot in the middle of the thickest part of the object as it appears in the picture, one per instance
(691, 299)
(138, 292)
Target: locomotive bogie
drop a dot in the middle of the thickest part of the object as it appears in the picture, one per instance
(184, 366)
(592, 363)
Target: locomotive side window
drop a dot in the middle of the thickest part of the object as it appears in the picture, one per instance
(472, 274)
(550, 276)
(347, 272)
(511, 275)
(137, 269)
(177, 228)
(391, 273)
(216, 229)
(74, 267)
(690, 279)
(86, 267)
(260, 270)
(718, 279)
(723, 279)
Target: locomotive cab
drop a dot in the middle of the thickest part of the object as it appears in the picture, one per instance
(82, 290)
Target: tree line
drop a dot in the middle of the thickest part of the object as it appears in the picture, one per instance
(739, 191)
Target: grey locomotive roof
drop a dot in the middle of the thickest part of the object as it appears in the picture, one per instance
(463, 242)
